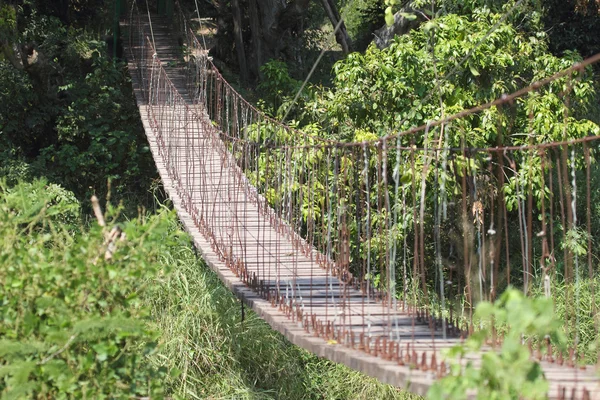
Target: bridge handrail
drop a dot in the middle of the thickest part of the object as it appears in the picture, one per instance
(155, 68)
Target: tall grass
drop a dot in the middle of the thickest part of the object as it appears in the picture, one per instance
(219, 356)
(575, 305)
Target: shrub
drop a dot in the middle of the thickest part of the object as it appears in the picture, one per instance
(40, 201)
(508, 373)
(71, 322)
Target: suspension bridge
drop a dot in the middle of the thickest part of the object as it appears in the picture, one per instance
(370, 254)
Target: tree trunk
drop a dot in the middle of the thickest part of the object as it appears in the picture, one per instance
(239, 40)
(275, 28)
(341, 36)
(12, 54)
(257, 59)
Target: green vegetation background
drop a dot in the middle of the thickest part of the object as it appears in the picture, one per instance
(154, 321)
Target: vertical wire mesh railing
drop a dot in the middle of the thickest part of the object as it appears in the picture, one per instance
(383, 246)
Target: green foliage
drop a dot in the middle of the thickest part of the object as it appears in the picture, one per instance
(527, 16)
(18, 99)
(72, 324)
(277, 86)
(98, 134)
(574, 25)
(69, 111)
(40, 202)
(12, 168)
(420, 78)
(151, 321)
(81, 13)
(508, 373)
(361, 18)
(577, 304)
(389, 12)
(396, 88)
(8, 23)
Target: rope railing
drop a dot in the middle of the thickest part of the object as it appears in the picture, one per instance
(383, 246)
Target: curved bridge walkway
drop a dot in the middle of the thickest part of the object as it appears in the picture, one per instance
(258, 256)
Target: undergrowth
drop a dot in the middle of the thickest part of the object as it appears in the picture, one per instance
(577, 306)
(71, 323)
(149, 319)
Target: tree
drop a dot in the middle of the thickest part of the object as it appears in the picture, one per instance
(67, 106)
(425, 75)
(398, 87)
(573, 25)
(260, 30)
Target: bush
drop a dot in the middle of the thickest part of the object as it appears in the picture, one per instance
(40, 201)
(277, 86)
(72, 323)
(391, 90)
(510, 372)
(12, 168)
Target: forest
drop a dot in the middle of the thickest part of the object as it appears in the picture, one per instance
(143, 316)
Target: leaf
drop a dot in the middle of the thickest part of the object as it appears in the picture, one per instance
(429, 26)
(12, 348)
(101, 350)
(456, 351)
(21, 391)
(405, 179)
(484, 310)
(535, 372)
(436, 392)
(473, 70)
(389, 17)
(57, 369)
(18, 371)
(408, 16)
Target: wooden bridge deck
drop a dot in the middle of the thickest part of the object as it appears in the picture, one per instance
(273, 256)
